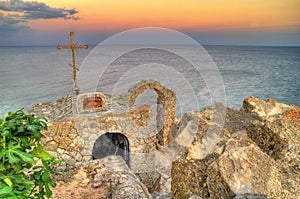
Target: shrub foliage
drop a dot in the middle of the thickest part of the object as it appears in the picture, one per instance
(25, 168)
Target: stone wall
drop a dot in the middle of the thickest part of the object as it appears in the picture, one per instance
(54, 111)
(73, 139)
(73, 129)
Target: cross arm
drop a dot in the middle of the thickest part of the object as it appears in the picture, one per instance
(64, 47)
(72, 47)
(84, 46)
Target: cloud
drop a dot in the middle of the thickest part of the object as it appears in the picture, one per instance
(19, 12)
(37, 10)
(10, 23)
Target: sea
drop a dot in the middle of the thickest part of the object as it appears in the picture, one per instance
(31, 75)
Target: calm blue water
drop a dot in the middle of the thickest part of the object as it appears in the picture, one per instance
(31, 75)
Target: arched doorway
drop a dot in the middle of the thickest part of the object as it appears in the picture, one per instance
(112, 144)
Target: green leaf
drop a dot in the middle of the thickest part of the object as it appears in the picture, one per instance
(14, 150)
(45, 177)
(36, 176)
(2, 123)
(32, 127)
(18, 167)
(12, 159)
(2, 153)
(48, 191)
(21, 129)
(11, 197)
(2, 168)
(52, 184)
(8, 182)
(5, 133)
(40, 153)
(5, 191)
(26, 157)
(34, 131)
(25, 141)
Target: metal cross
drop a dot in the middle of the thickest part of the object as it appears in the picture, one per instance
(75, 69)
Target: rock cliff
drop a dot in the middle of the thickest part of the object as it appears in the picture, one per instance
(254, 153)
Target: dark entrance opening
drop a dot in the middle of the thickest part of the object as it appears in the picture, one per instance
(112, 144)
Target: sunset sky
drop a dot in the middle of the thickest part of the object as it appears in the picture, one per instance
(233, 22)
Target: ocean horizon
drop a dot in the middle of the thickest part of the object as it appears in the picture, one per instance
(35, 74)
(203, 45)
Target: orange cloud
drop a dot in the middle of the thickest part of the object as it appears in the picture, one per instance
(96, 15)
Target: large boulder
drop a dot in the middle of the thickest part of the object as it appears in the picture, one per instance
(244, 169)
(277, 133)
(215, 126)
(251, 153)
(265, 109)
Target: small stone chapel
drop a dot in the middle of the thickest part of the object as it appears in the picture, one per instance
(94, 125)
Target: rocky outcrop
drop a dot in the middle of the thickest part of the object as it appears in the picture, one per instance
(277, 133)
(251, 153)
(109, 177)
(243, 169)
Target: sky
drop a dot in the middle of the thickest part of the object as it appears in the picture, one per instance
(214, 22)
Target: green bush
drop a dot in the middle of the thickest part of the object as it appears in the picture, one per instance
(25, 168)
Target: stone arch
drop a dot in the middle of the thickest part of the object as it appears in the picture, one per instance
(166, 107)
(112, 144)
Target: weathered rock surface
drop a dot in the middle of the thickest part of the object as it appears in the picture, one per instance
(251, 153)
(109, 177)
(243, 169)
(277, 133)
